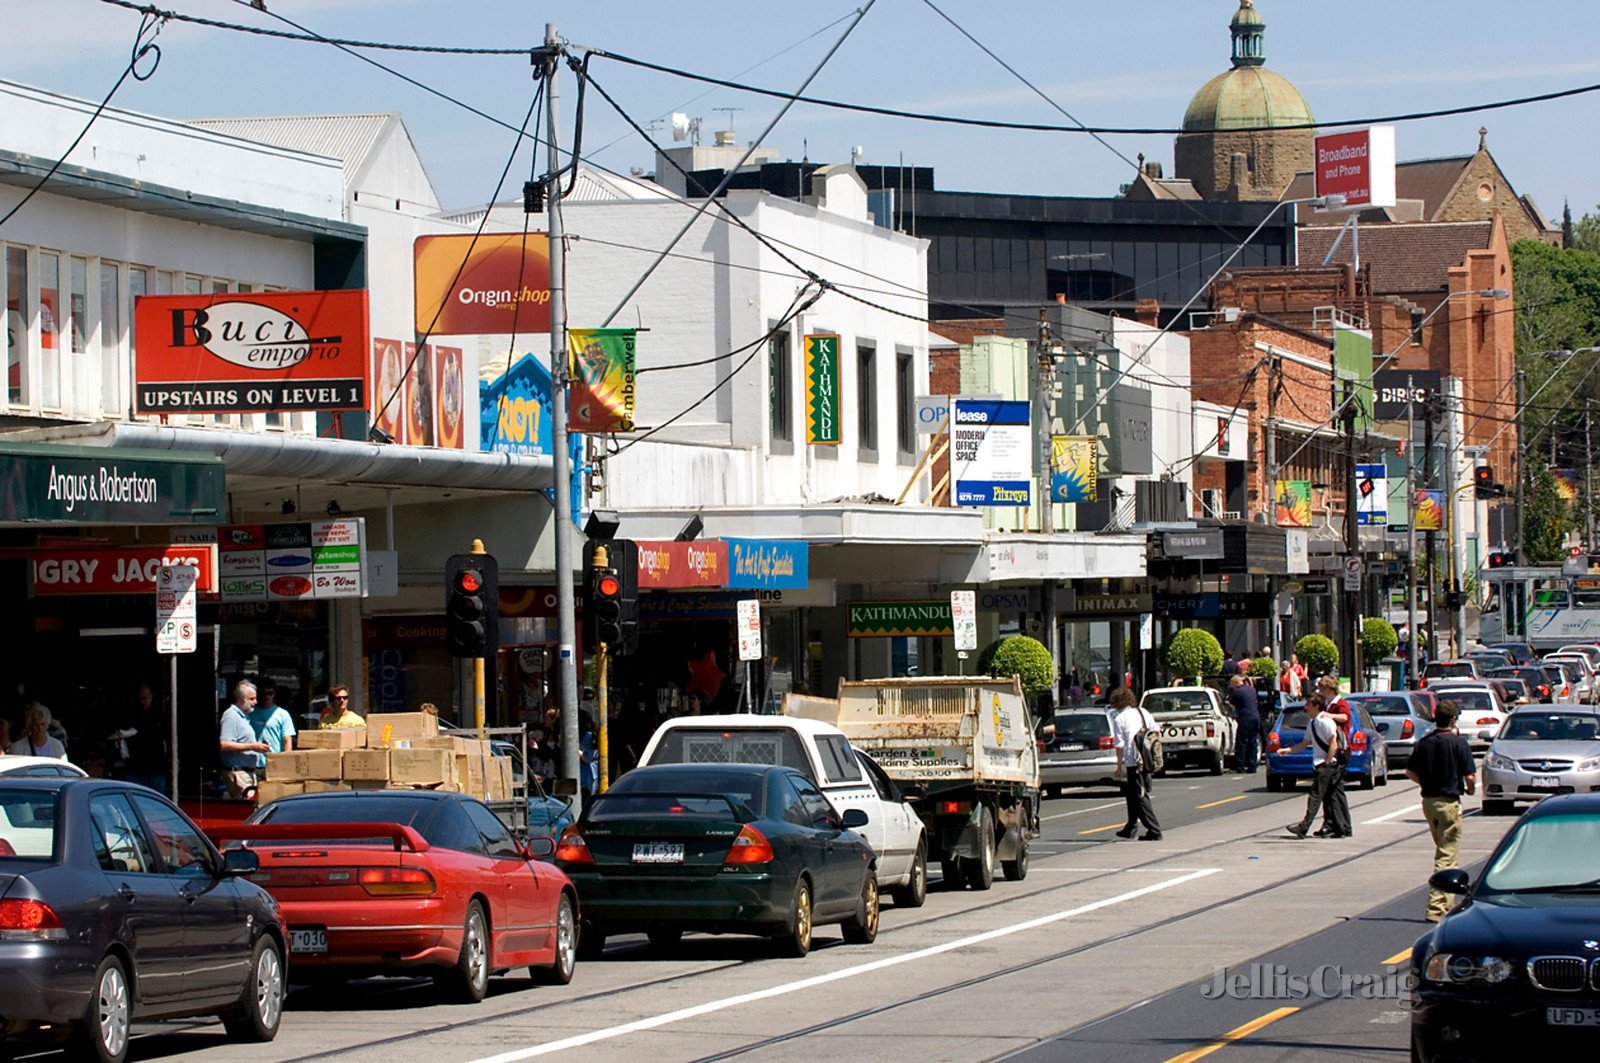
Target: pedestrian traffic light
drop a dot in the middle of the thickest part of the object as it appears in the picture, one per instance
(471, 605)
(611, 598)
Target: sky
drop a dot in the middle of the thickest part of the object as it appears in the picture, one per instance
(1107, 62)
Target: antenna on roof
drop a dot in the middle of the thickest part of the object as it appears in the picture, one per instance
(684, 127)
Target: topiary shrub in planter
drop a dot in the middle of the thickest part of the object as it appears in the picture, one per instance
(1192, 653)
(1026, 658)
(1319, 654)
(1378, 639)
(1263, 668)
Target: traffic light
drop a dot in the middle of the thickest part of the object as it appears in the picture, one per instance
(471, 605)
(1502, 559)
(611, 597)
(1483, 481)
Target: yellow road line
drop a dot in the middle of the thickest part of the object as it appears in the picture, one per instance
(1399, 957)
(1233, 1035)
(1100, 830)
(1224, 801)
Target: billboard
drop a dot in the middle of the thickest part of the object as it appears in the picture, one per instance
(250, 352)
(1358, 166)
(1372, 494)
(492, 283)
(1293, 503)
(1394, 390)
(991, 453)
(420, 397)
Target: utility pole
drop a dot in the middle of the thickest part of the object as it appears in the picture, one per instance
(1588, 477)
(1516, 545)
(1270, 493)
(1430, 410)
(560, 379)
(1455, 549)
(1352, 533)
(1411, 529)
(1044, 374)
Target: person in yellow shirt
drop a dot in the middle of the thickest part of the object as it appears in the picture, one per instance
(338, 713)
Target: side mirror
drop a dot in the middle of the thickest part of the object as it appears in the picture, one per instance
(538, 848)
(240, 862)
(1450, 880)
(854, 818)
(1486, 734)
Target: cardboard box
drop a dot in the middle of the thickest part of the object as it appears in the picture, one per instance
(318, 786)
(366, 765)
(471, 774)
(302, 764)
(271, 790)
(422, 767)
(450, 743)
(390, 728)
(333, 738)
(500, 778)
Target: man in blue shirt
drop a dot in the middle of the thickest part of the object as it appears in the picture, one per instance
(242, 750)
(271, 721)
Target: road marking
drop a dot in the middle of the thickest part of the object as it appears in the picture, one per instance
(1233, 1035)
(1098, 830)
(1081, 811)
(1399, 957)
(667, 1018)
(1388, 816)
(1224, 801)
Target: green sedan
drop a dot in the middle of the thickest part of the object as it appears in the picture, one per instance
(724, 849)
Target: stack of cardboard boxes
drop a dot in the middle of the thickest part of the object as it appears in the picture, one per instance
(402, 750)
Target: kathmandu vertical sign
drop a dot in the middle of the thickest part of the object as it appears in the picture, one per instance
(822, 389)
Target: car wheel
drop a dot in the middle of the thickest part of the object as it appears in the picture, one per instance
(1364, 781)
(978, 870)
(468, 980)
(1383, 780)
(591, 941)
(102, 1033)
(914, 892)
(862, 928)
(566, 958)
(664, 938)
(1498, 808)
(1274, 784)
(1017, 869)
(951, 870)
(260, 1005)
(1219, 763)
(794, 940)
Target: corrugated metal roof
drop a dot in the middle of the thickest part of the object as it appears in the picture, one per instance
(347, 137)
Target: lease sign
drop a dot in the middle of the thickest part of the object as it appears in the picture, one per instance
(251, 352)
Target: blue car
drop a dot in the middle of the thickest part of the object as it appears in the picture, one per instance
(1369, 756)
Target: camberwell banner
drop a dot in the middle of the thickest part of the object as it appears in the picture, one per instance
(1294, 503)
(495, 283)
(602, 364)
(250, 352)
(1074, 468)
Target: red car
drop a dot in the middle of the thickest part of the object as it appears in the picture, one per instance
(408, 882)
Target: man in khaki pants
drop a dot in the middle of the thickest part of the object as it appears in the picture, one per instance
(1442, 766)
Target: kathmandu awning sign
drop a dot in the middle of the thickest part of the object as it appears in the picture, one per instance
(251, 352)
(889, 619)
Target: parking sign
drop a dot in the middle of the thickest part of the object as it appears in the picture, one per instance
(176, 628)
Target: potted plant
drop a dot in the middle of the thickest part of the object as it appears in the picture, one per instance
(1026, 658)
(1193, 653)
(1319, 654)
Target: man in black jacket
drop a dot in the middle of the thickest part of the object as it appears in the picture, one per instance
(1442, 766)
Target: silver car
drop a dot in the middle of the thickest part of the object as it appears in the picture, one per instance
(1542, 750)
(1482, 711)
(1081, 753)
(1401, 719)
(1583, 675)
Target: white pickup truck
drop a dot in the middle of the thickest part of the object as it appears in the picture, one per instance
(1195, 731)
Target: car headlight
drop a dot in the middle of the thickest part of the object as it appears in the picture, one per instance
(1499, 763)
(1457, 967)
(1589, 765)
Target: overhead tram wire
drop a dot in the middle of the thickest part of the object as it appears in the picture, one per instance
(304, 34)
(149, 24)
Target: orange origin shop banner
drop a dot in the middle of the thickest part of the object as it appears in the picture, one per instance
(251, 352)
(491, 284)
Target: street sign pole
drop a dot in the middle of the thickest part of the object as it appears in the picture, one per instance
(749, 644)
(176, 629)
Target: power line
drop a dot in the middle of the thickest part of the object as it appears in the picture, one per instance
(150, 10)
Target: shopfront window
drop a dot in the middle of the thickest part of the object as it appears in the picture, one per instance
(17, 317)
(78, 329)
(50, 329)
(110, 337)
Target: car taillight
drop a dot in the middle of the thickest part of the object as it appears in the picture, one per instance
(29, 920)
(395, 881)
(1488, 721)
(1272, 742)
(750, 847)
(1408, 729)
(1358, 741)
(5, 848)
(1107, 742)
(572, 849)
(1211, 729)
(955, 808)
(1544, 690)
(1423, 683)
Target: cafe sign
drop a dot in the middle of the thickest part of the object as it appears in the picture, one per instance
(97, 485)
(887, 619)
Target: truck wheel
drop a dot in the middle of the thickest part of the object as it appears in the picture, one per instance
(951, 869)
(1017, 870)
(1219, 763)
(979, 870)
(915, 891)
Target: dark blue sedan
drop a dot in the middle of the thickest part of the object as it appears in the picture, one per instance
(1369, 756)
(1516, 968)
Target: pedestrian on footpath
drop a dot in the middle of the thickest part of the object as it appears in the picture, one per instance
(1441, 765)
(243, 753)
(1247, 714)
(1131, 772)
(1322, 737)
(1336, 707)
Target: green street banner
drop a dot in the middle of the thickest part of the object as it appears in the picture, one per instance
(885, 619)
(602, 393)
(822, 388)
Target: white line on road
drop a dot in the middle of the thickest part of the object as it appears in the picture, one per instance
(667, 1018)
(1390, 815)
(1081, 811)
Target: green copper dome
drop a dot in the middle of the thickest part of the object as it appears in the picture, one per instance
(1245, 97)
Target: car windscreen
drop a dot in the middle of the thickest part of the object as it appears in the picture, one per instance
(1551, 727)
(774, 746)
(1470, 700)
(1081, 726)
(1434, 671)
(746, 787)
(1385, 706)
(1298, 720)
(1545, 851)
(1178, 701)
(28, 823)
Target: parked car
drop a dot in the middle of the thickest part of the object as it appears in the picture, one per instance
(19, 766)
(1481, 711)
(1369, 754)
(1081, 753)
(905, 848)
(720, 848)
(116, 910)
(1521, 652)
(1434, 671)
(412, 882)
(1197, 728)
(1513, 965)
(1539, 752)
(1400, 719)
(1532, 676)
